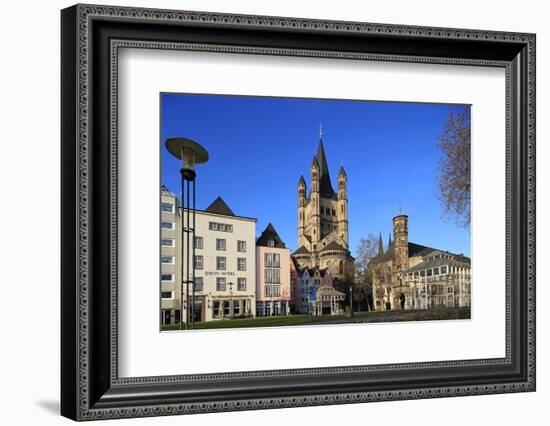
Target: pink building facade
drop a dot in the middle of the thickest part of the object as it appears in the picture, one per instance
(272, 275)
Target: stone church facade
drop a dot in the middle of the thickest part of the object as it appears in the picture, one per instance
(323, 241)
(412, 276)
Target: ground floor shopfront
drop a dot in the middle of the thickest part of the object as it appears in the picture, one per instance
(268, 308)
(211, 309)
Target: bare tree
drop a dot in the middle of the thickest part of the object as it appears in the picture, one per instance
(455, 168)
(366, 250)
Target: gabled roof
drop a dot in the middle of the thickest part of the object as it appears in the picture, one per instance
(295, 263)
(333, 245)
(270, 234)
(419, 250)
(415, 250)
(219, 206)
(328, 290)
(302, 250)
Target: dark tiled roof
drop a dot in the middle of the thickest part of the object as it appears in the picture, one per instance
(414, 250)
(295, 263)
(435, 262)
(220, 207)
(312, 271)
(268, 234)
(419, 250)
(333, 245)
(301, 250)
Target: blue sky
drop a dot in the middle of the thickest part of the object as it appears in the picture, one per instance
(260, 146)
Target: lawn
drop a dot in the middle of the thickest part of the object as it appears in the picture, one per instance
(358, 317)
(260, 322)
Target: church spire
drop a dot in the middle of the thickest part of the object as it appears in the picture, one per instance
(326, 189)
(380, 246)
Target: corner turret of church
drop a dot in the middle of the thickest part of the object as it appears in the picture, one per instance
(342, 207)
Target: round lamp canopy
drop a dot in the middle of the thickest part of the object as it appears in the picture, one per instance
(182, 147)
(190, 152)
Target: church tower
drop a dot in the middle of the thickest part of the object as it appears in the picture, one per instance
(301, 211)
(342, 209)
(323, 220)
(401, 243)
(314, 210)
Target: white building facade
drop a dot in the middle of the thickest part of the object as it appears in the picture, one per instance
(441, 280)
(169, 254)
(224, 259)
(225, 267)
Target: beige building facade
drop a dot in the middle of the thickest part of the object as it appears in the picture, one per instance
(272, 275)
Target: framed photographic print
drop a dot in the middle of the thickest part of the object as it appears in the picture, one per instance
(264, 212)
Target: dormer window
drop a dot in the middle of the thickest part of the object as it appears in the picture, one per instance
(271, 242)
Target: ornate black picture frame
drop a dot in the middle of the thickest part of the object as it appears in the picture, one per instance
(91, 37)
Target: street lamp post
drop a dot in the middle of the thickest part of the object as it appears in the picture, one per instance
(350, 300)
(190, 153)
(231, 311)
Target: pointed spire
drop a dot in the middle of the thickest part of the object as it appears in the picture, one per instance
(389, 240)
(321, 158)
(342, 172)
(314, 162)
(324, 176)
(302, 181)
(380, 246)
